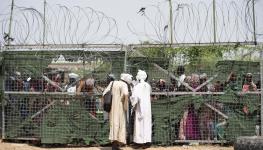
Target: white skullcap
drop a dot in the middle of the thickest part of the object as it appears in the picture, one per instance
(73, 75)
(126, 77)
(141, 75)
(18, 73)
(28, 79)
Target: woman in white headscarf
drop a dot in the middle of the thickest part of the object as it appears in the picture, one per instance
(141, 101)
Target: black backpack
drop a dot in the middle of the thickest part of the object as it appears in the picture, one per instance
(108, 99)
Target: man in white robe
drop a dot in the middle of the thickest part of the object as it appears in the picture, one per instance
(141, 101)
(117, 115)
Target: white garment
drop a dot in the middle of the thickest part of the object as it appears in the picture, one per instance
(143, 114)
(181, 78)
(117, 115)
(72, 89)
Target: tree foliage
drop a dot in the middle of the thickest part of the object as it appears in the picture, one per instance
(194, 57)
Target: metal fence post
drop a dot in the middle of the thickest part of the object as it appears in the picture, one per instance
(2, 98)
(214, 20)
(10, 23)
(254, 22)
(125, 58)
(44, 22)
(261, 88)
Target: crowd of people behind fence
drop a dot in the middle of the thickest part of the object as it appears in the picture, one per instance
(187, 83)
(127, 91)
(195, 125)
(48, 82)
(57, 82)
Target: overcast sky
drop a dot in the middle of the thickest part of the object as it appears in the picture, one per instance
(126, 12)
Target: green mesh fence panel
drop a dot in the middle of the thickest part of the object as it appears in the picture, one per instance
(38, 106)
(73, 123)
(216, 111)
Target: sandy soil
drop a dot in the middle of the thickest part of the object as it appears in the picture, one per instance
(19, 146)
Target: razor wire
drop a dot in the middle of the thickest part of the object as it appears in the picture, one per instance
(63, 25)
(193, 21)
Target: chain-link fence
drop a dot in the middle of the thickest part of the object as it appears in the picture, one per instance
(54, 95)
(40, 100)
(202, 98)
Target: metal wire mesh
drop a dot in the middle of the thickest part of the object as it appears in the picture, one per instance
(214, 102)
(40, 94)
(198, 99)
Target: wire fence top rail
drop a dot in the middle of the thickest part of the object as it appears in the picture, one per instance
(153, 93)
(65, 47)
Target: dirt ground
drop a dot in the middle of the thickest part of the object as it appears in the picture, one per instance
(20, 146)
